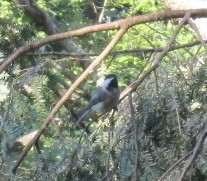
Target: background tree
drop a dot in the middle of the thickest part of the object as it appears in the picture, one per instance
(161, 117)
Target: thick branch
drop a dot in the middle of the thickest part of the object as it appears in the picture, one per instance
(128, 22)
(42, 20)
(21, 142)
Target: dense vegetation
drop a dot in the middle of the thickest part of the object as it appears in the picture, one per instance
(159, 122)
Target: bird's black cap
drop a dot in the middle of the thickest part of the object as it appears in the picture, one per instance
(114, 81)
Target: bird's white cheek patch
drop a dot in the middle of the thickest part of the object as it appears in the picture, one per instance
(106, 82)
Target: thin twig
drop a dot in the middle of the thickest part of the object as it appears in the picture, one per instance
(73, 157)
(100, 19)
(196, 151)
(110, 135)
(133, 51)
(174, 165)
(177, 112)
(178, 68)
(134, 122)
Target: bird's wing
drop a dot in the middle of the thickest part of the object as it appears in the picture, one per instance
(97, 98)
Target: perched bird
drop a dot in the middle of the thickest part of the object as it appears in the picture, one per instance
(105, 99)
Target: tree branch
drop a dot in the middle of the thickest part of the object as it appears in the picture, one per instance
(134, 123)
(131, 88)
(132, 51)
(196, 151)
(100, 18)
(42, 20)
(128, 22)
(174, 165)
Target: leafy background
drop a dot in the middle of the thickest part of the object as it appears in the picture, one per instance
(169, 106)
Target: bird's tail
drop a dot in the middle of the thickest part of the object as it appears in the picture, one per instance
(83, 114)
(81, 124)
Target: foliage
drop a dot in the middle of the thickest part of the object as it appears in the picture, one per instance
(170, 105)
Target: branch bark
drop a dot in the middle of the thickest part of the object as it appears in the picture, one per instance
(137, 51)
(43, 20)
(128, 22)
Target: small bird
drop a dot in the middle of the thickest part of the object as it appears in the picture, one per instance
(105, 99)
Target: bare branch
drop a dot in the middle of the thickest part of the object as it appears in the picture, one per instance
(194, 27)
(43, 21)
(139, 51)
(177, 112)
(174, 165)
(196, 151)
(100, 18)
(128, 22)
(134, 123)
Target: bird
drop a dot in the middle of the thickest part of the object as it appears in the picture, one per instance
(104, 100)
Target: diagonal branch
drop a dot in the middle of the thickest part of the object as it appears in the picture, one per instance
(174, 165)
(100, 18)
(135, 84)
(44, 22)
(69, 92)
(195, 153)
